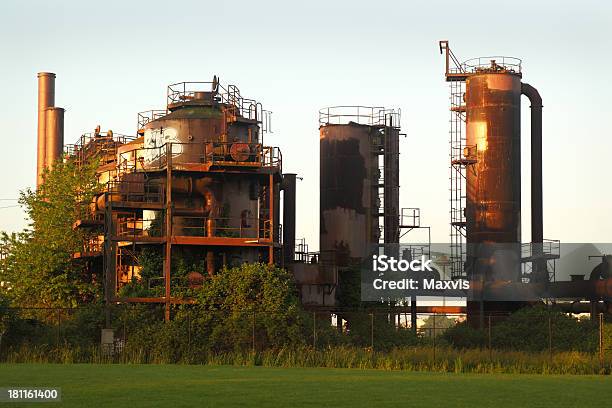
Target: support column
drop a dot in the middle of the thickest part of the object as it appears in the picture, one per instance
(168, 232)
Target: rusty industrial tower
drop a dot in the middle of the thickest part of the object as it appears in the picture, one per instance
(196, 181)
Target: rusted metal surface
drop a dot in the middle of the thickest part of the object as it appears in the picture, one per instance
(359, 180)
(198, 181)
(46, 99)
(493, 211)
(349, 223)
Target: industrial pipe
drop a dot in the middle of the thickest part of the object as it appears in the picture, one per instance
(537, 213)
(46, 99)
(537, 216)
(54, 130)
(288, 217)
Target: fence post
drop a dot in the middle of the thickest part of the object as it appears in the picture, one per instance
(550, 338)
(314, 330)
(434, 337)
(601, 342)
(59, 325)
(253, 332)
(372, 330)
(189, 327)
(490, 348)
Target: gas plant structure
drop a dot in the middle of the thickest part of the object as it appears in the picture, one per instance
(197, 182)
(485, 163)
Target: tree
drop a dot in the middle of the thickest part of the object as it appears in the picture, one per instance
(437, 324)
(38, 263)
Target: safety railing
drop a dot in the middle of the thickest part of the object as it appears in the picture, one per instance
(548, 249)
(149, 116)
(131, 226)
(224, 154)
(95, 144)
(363, 115)
(464, 155)
(493, 63)
(229, 95)
(135, 191)
(221, 227)
(410, 217)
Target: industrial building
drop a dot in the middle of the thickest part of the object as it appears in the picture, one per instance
(198, 181)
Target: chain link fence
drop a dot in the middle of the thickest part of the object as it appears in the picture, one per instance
(194, 334)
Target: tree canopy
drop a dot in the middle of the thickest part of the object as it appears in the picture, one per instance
(38, 266)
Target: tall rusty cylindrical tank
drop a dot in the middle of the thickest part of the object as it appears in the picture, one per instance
(46, 98)
(54, 129)
(493, 125)
(348, 201)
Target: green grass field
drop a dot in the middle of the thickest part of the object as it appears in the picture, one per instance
(222, 386)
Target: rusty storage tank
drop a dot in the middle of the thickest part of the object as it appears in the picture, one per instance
(358, 146)
(493, 126)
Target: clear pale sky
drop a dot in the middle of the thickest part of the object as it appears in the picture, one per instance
(114, 59)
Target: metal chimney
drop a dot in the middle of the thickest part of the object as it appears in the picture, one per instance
(46, 99)
(54, 129)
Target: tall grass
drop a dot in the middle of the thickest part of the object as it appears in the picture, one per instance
(421, 358)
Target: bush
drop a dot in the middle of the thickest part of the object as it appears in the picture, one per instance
(464, 336)
(528, 330)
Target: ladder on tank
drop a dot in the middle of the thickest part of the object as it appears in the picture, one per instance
(379, 141)
(459, 163)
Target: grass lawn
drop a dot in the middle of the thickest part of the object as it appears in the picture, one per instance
(175, 386)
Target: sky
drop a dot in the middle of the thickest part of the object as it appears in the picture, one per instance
(115, 58)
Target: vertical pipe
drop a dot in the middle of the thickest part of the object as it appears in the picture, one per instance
(537, 229)
(54, 130)
(210, 263)
(168, 234)
(46, 98)
(601, 341)
(288, 217)
(413, 314)
(272, 225)
(537, 213)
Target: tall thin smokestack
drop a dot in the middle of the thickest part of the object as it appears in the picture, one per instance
(46, 99)
(54, 130)
(288, 217)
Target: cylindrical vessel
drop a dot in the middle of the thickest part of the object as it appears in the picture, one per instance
(196, 131)
(493, 124)
(349, 192)
(46, 98)
(54, 128)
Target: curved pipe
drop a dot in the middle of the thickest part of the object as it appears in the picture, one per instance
(537, 216)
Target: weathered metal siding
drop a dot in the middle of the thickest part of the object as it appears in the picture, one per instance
(348, 210)
(493, 210)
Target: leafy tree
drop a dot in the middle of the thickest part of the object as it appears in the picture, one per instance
(39, 264)
(437, 323)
